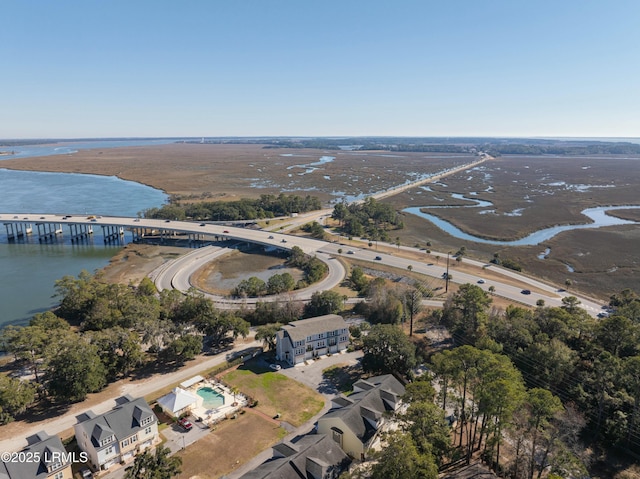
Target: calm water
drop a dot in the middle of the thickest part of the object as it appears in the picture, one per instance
(597, 215)
(28, 271)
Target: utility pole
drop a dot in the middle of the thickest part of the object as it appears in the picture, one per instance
(446, 284)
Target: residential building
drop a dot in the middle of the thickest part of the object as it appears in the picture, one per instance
(310, 338)
(118, 435)
(355, 421)
(44, 458)
(310, 457)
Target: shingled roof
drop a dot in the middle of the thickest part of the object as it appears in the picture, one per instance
(122, 421)
(311, 456)
(300, 330)
(365, 407)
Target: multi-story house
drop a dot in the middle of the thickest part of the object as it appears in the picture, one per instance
(118, 435)
(44, 458)
(355, 421)
(310, 457)
(310, 338)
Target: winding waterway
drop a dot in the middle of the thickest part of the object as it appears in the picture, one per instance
(597, 215)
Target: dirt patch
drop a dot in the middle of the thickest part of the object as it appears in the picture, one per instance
(135, 261)
(232, 443)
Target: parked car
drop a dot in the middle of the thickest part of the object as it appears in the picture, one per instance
(275, 367)
(185, 424)
(85, 473)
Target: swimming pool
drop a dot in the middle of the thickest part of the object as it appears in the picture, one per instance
(211, 398)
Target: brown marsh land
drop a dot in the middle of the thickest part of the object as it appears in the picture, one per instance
(527, 193)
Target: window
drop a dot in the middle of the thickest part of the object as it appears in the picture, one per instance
(59, 475)
(321, 336)
(146, 421)
(336, 434)
(147, 431)
(106, 441)
(109, 450)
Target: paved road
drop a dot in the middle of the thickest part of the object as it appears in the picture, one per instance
(135, 388)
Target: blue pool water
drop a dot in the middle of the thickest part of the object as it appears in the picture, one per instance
(212, 398)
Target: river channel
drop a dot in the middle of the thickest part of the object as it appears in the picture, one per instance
(597, 215)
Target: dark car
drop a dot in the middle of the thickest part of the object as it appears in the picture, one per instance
(526, 291)
(185, 424)
(378, 258)
(226, 231)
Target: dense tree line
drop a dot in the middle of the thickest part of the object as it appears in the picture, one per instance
(593, 364)
(267, 206)
(370, 218)
(562, 149)
(101, 332)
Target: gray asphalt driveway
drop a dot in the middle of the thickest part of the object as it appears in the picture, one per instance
(311, 374)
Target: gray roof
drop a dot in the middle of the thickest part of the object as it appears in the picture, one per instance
(369, 404)
(294, 460)
(122, 421)
(303, 328)
(41, 444)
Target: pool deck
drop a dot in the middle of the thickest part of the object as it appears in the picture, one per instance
(212, 416)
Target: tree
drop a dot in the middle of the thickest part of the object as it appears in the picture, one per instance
(119, 350)
(267, 334)
(400, 459)
(155, 466)
(466, 313)
(74, 370)
(542, 406)
(324, 302)
(426, 424)
(15, 396)
(280, 283)
(388, 350)
(183, 348)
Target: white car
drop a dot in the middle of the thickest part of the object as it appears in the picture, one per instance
(275, 367)
(481, 281)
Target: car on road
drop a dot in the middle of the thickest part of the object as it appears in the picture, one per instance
(271, 237)
(481, 281)
(203, 224)
(226, 231)
(526, 291)
(275, 367)
(350, 252)
(284, 240)
(137, 220)
(378, 258)
(185, 424)
(167, 221)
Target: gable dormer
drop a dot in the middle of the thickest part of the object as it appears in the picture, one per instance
(390, 399)
(371, 416)
(142, 416)
(102, 435)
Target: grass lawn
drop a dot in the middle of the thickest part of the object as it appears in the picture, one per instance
(232, 443)
(276, 393)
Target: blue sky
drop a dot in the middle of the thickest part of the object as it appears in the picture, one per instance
(92, 68)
